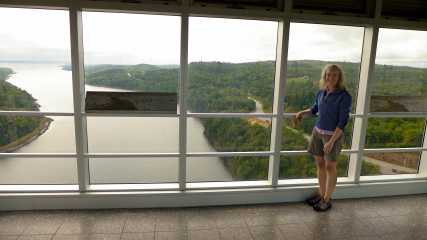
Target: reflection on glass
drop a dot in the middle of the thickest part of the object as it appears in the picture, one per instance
(127, 52)
(400, 78)
(38, 171)
(133, 170)
(132, 135)
(304, 166)
(231, 65)
(390, 163)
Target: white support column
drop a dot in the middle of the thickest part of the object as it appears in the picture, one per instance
(77, 65)
(422, 167)
(366, 76)
(279, 94)
(183, 79)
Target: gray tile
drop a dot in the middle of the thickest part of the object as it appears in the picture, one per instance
(35, 237)
(295, 230)
(77, 224)
(379, 225)
(175, 221)
(269, 232)
(283, 217)
(44, 225)
(69, 237)
(400, 236)
(178, 235)
(13, 225)
(210, 234)
(140, 223)
(108, 226)
(235, 233)
(229, 217)
(8, 237)
(201, 220)
(353, 228)
(104, 236)
(109, 222)
(259, 216)
(367, 238)
(137, 236)
(233, 219)
(409, 223)
(325, 230)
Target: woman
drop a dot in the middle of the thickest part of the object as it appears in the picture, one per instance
(333, 104)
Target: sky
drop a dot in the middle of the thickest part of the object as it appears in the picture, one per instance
(117, 38)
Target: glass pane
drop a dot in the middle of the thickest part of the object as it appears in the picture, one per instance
(126, 52)
(308, 55)
(133, 170)
(307, 58)
(400, 79)
(390, 163)
(52, 134)
(227, 169)
(32, 54)
(210, 169)
(394, 132)
(228, 135)
(38, 171)
(304, 166)
(231, 64)
(132, 134)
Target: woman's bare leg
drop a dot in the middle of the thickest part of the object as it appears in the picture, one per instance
(331, 179)
(321, 175)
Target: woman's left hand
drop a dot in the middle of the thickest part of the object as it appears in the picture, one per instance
(328, 147)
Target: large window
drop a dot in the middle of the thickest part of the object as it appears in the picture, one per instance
(311, 48)
(33, 53)
(231, 70)
(128, 53)
(399, 85)
(231, 126)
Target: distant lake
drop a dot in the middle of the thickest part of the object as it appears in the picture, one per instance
(52, 87)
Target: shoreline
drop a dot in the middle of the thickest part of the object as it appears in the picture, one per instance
(42, 128)
(227, 161)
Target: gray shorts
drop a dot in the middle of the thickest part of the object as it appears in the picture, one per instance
(317, 141)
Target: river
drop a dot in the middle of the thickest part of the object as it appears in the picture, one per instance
(52, 87)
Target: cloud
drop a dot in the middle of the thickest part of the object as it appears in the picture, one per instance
(325, 42)
(402, 48)
(119, 38)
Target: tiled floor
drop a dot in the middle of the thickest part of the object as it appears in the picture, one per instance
(401, 217)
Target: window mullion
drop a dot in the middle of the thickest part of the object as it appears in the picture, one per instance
(366, 77)
(182, 169)
(279, 95)
(76, 35)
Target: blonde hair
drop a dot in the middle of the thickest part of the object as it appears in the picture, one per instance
(341, 79)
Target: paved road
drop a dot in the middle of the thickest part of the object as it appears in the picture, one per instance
(385, 168)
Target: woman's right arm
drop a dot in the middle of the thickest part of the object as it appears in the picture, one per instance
(298, 117)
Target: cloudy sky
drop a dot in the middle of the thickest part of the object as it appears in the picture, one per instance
(115, 38)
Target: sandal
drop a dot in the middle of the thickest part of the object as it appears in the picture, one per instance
(314, 200)
(322, 205)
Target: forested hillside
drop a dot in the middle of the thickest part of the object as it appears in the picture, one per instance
(225, 87)
(15, 99)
